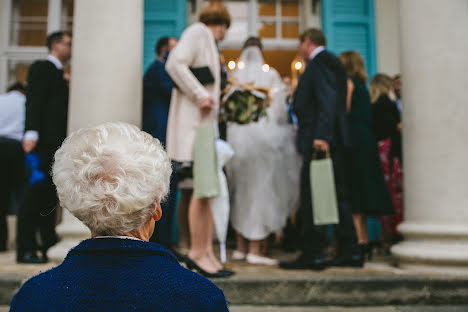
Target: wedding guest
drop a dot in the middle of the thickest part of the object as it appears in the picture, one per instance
(113, 178)
(46, 128)
(370, 196)
(157, 89)
(264, 172)
(387, 127)
(193, 105)
(320, 107)
(12, 114)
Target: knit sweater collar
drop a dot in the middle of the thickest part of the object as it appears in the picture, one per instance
(120, 245)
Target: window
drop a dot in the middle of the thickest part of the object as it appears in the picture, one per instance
(28, 25)
(25, 25)
(278, 19)
(276, 22)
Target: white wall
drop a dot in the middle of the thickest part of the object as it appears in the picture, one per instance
(387, 20)
(2, 48)
(310, 18)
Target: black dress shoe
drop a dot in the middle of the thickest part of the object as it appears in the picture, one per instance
(356, 261)
(301, 263)
(32, 258)
(227, 272)
(191, 265)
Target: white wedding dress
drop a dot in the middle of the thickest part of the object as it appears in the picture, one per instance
(263, 175)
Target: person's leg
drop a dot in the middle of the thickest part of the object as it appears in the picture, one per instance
(314, 238)
(27, 220)
(48, 216)
(254, 247)
(47, 207)
(4, 204)
(345, 230)
(182, 218)
(240, 243)
(209, 241)
(199, 219)
(360, 223)
(11, 168)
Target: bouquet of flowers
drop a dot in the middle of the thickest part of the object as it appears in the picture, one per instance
(243, 103)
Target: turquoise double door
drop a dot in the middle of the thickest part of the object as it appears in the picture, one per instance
(350, 25)
(162, 18)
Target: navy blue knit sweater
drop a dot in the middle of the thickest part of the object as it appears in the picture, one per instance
(113, 274)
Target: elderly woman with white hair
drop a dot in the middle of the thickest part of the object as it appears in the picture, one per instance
(113, 178)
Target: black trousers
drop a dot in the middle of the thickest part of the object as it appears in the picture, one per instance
(38, 208)
(12, 174)
(315, 237)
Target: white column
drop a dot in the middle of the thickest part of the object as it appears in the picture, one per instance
(434, 49)
(106, 82)
(387, 24)
(54, 14)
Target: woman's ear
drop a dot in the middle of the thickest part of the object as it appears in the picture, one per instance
(158, 213)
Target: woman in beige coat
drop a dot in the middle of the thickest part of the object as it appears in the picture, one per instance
(192, 105)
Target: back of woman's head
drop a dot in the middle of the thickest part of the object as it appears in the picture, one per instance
(111, 177)
(215, 13)
(380, 84)
(253, 42)
(354, 65)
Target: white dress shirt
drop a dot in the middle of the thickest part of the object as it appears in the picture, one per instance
(12, 115)
(316, 51)
(33, 135)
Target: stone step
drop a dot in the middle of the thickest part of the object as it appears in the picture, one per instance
(346, 290)
(377, 284)
(251, 308)
(245, 308)
(315, 289)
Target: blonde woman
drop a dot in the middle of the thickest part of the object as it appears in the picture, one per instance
(195, 103)
(369, 192)
(387, 127)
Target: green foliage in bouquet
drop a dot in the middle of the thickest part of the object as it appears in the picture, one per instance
(243, 107)
(243, 103)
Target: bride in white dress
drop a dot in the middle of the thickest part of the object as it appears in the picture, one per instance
(264, 172)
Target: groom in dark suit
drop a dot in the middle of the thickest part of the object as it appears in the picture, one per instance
(320, 107)
(46, 128)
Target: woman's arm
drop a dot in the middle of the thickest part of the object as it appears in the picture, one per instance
(182, 57)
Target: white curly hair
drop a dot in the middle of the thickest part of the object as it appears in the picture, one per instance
(111, 177)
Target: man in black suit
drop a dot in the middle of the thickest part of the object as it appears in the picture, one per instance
(320, 107)
(46, 128)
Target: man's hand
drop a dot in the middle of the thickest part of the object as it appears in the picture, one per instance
(206, 105)
(321, 146)
(28, 145)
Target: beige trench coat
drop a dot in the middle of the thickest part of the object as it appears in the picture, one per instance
(196, 48)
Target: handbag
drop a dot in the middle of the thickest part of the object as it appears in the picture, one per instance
(205, 167)
(203, 74)
(323, 191)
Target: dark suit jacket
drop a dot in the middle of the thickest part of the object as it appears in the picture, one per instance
(114, 274)
(157, 89)
(320, 103)
(47, 103)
